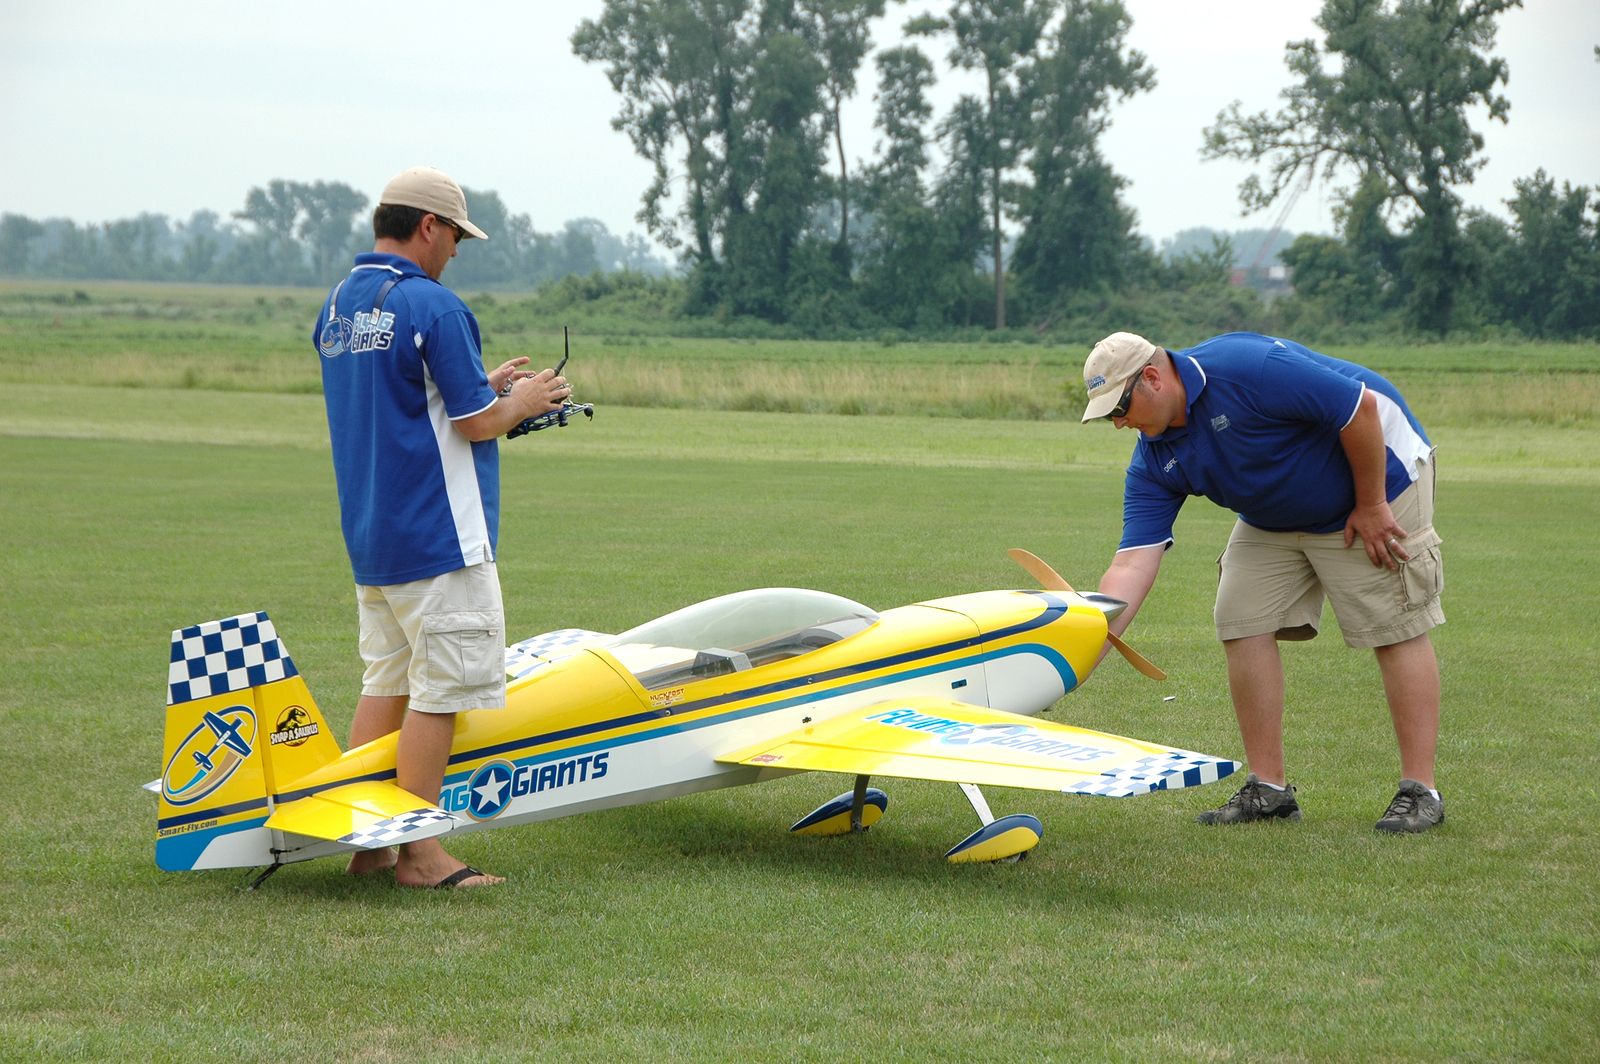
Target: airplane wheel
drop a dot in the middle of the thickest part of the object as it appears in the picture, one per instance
(833, 818)
(1008, 838)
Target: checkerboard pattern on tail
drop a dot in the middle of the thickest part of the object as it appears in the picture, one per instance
(220, 657)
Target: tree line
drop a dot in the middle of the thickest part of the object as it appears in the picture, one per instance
(1001, 213)
(302, 233)
(1005, 211)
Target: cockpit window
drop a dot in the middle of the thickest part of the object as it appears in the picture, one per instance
(734, 632)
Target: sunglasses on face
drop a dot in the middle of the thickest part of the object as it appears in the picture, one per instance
(1121, 409)
(460, 233)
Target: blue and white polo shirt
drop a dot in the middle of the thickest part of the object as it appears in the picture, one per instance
(416, 497)
(1262, 439)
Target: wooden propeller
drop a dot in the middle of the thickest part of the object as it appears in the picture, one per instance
(1051, 580)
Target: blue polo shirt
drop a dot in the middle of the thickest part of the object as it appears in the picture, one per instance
(1262, 439)
(416, 498)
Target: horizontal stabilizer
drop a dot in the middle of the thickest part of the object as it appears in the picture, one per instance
(944, 740)
(362, 815)
(535, 651)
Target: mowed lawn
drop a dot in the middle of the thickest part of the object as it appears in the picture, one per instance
(697, 929)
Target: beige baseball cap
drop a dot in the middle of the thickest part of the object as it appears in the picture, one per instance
(433, 191)
(1108, 368)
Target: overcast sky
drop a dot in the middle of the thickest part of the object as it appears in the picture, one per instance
(108, 109)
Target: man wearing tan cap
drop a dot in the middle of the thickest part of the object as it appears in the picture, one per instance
(414, 421)
(1315, 455)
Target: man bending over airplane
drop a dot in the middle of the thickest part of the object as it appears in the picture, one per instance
(1332, 479)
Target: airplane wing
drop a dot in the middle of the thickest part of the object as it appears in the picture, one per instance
(941, 739)
(535, 651)
(362, 815)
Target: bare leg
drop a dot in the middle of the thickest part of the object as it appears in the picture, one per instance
(376, 716)
(420, 762)
(1411, 683)
(1255, 678)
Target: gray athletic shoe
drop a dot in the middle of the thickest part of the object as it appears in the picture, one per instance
(1254, 801)
(1414, 809)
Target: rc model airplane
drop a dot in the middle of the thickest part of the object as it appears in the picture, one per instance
(738, 689)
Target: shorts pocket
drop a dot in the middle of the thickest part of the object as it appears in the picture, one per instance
(1421, 575)
(464, 649)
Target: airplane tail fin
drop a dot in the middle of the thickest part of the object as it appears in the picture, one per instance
(241, 725)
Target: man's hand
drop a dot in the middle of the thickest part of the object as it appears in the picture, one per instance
(538, 393)
(1372, 519)
(522, 395)
(509, 373)
(1380, 534)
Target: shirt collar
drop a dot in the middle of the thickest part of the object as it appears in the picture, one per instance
(398, 263)
(1194, 382)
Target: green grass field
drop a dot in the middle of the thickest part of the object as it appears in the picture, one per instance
(251, 339)
(697, 929)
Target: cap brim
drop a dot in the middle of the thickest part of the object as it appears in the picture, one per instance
(472, 230)
(1101, 405)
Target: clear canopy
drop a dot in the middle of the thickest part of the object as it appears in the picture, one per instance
(738, 631)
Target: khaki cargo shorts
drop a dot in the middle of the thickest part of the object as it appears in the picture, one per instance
(1276, 581)
(440, 640)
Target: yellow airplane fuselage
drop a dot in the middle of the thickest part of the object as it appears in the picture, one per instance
(583, 732)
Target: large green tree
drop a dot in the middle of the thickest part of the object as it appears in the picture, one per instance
(1386, 94)
(328, 214)
(1547, 278)
(679, 68)
(300, 233)
(785, 142)
(839, 32)
(959, 201)
(507, 255)
(738, 91)
(995, 37)
(1075, 230)
(270, 252)
(912, 272)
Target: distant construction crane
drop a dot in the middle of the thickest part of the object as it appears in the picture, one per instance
(1277, 225)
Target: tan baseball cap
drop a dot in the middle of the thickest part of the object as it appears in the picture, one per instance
(433, 191)
(1109, 367)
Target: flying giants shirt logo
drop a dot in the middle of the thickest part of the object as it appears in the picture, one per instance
(368, 331)
(371, 331)
(335, 338)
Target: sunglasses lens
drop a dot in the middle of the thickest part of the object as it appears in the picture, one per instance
(1121, 409)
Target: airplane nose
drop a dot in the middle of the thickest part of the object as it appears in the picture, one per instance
(1107, 605)
(1052, 580)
